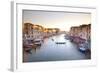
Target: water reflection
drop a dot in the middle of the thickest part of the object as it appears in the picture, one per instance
(50, 51)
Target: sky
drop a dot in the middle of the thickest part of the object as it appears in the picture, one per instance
(51, 19)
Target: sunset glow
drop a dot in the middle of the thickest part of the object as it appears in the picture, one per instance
(61, 20)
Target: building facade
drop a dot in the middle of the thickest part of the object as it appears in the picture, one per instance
(82, 31)
(34, 31)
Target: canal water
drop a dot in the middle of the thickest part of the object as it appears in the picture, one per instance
(50, 51)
